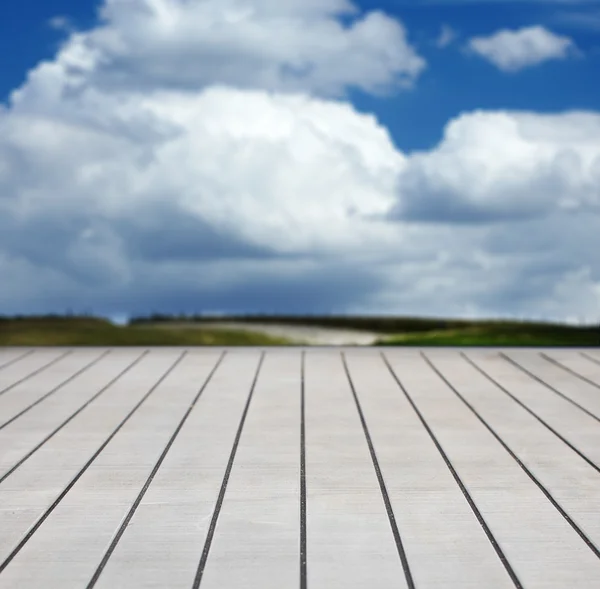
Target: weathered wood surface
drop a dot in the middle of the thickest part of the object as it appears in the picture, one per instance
(310, 468)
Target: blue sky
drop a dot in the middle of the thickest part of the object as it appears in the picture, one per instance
(467, 83)
(152, 148)
(416, 119)
(26, 36)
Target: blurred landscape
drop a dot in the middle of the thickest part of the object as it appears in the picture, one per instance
(266, 330)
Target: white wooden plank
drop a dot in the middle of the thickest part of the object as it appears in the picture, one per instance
(435, 521)
(162, 546)
(541, 547)
(13, 373)
(579, 391)
(570, 480)
(259, 525)
(11, 355)
(44, 385)
(256, 540)
(113, 482)
(578, 363)
(32, 488)
(18, 438)
(350, 543)
(569, 421)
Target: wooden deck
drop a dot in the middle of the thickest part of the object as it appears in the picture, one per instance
(309, 468)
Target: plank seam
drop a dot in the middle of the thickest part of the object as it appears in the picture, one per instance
(382, 486)
(16, 359)
(569, 370)
(526, 470)
(591, 358)
(54, 390)
(71, 417)
(488, 532)
(64, 492)
(303, 547)
(532, 413)
(158, 464)
(549, 386)
(37, 371)
(221, 496)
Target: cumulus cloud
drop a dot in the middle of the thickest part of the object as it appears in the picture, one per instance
(249, 164)
(131, 185)
(496, 166)
(283, 45)
(512, 51)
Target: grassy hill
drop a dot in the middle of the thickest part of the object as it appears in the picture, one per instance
(91, 331)
(373, 324)
(155, 330)
(500, 334)
(413, 331)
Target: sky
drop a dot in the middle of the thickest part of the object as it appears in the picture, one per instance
(424, 157)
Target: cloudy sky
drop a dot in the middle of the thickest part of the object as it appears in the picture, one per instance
(414, 157)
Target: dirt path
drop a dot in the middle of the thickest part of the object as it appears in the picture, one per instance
(320, 336)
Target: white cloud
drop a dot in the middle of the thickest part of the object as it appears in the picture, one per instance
(143, 193)
(512, 51)
(283, 45)
(250, 163)
(446, 37)
(505, 165)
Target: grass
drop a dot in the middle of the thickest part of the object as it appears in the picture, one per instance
(373, 324)
(55, 330)
(90, 331)
(500, 334)
(412, 331)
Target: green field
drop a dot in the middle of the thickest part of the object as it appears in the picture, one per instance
(414, 331)
(54, 330)
(91, 331)
(499, 335)
(373, 324)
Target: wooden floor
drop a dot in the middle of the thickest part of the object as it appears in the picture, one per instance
(318, 468)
